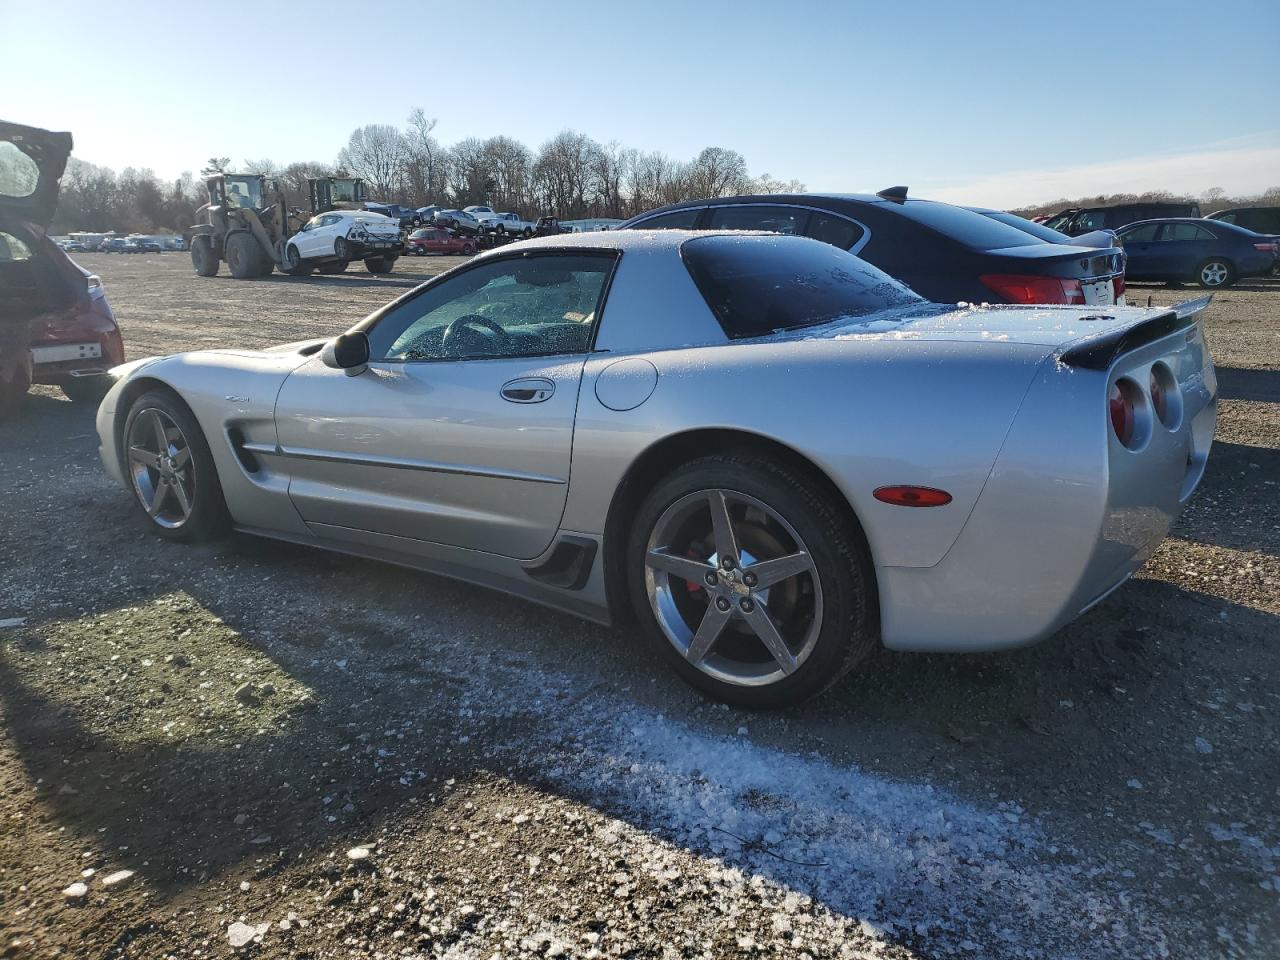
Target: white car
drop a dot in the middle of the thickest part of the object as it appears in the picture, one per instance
(479, 212)
(507, 223)
(332, 240)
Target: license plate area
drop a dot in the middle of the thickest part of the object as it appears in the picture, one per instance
(68, 351)
(1098, 293)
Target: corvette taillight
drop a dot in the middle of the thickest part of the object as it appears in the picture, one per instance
(1123, 413)
(1016, 288)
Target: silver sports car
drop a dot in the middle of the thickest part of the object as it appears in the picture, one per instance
(770, 453)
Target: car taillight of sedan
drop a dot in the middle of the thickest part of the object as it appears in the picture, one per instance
(1266, 247)
(1017, 288)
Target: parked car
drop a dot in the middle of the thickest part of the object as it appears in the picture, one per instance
(56, 326)
(549, 227)
(507, 223)
(1208, 252)
(330, 241)
(945, 253)
(118, 245)
(1088, 219)
(427, 214)
(1258, 219)
(458, 220)
(147, 245)
(692, 379)
(478, 211)
(73, 246)
(437, 240)
(407, 218)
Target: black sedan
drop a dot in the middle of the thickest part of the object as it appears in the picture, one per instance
(945, 253)
(1208, 252)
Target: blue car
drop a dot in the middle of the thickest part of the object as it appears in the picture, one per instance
(1208, 252)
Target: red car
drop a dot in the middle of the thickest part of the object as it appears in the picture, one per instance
(437, 240)
(55, 324)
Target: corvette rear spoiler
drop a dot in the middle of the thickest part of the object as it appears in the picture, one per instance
(1098, 353)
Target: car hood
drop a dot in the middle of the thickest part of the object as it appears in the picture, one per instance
(31, 165)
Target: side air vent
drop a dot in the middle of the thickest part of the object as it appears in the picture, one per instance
(247, 460)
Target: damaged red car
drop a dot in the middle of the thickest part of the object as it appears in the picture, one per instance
(56, 326)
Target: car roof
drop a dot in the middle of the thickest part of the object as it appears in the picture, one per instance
(634, 239)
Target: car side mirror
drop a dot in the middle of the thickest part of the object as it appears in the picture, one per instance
(348, 352)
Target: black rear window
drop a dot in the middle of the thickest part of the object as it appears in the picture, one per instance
(761, 285)
(973, 230)
(1047, 234)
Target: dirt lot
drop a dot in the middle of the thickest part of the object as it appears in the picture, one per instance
(326, 757)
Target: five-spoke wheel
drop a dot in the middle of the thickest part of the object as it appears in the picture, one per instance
(171, 469)
(733, 587)
(755, 584)
(160, 464)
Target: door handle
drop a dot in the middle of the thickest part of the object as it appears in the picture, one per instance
(529, 390)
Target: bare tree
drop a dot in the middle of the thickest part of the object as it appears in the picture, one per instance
(562, 172)
(767, 184)
(469, 174)
(509, 166)
(717, 172)
(424, 174)
(376, 153)
(215, 165)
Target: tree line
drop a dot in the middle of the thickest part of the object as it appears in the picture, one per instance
(1211, 201)
(570, 176)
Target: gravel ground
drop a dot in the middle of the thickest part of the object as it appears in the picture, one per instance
(256, 749)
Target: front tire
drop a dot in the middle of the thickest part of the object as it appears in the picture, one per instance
(171, 471)
(244, 257)
(295, 266)
(379, 265)
(753, 583)
(204, 257)
(1215, 273)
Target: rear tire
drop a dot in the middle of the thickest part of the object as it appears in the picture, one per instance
(379, 265)
(244, 257)
(1215, 273)
(826, 614)
(205, 516)
(204, 257)
(86, 390)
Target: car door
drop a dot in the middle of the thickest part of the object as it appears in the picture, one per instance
(1181, 248)
(460, 429)
(1141, 250)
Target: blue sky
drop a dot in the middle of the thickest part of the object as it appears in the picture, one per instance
(993, 102)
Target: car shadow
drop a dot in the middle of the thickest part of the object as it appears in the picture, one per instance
(1239, 383)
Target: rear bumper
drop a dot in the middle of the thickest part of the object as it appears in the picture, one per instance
(376, 248)
(94, 324)
(1066, 516)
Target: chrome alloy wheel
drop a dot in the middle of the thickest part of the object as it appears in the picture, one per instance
(1214, 273)
(733, 587)
(161, 468)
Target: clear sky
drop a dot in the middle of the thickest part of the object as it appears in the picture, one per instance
(987, 101)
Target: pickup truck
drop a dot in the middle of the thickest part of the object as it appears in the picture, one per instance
(506, 223)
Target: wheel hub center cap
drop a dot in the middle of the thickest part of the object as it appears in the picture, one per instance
(731, 584)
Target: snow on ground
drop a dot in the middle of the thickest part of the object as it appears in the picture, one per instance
(905, 862)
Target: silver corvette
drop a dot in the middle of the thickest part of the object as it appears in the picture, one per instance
(768, 452)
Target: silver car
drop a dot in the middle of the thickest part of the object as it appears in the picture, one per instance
(769, 452)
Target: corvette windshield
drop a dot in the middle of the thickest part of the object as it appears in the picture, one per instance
(760, 285)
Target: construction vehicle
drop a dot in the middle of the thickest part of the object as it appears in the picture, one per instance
(336, 193)
(245, 223)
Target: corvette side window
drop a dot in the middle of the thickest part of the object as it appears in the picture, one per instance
(513, 307)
